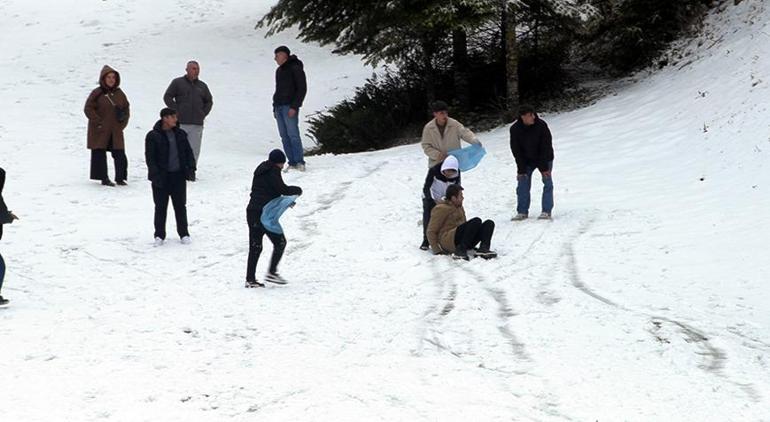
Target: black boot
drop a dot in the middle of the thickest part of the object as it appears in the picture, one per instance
(460, 253)
(107, 182)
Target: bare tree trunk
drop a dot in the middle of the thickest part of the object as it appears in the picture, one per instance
(429, 77)
(461, 73)
(511, 49)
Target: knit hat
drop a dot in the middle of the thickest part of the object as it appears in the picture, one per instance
(277, 156)
(282, 49)
(450, 163)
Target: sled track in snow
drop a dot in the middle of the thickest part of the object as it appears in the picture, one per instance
(714, 357)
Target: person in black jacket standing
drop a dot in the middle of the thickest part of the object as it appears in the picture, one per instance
(531, 147)
(266, 186)
(290, 90)
(5, 217)
(170, 164)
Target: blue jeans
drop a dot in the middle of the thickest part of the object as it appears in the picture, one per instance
(288, 128)
(2, 271)
(524, 186)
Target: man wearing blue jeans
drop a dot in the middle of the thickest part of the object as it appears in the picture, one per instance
(290, 90)
(532, 149)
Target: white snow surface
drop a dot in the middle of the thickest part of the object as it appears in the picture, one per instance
(642, 300)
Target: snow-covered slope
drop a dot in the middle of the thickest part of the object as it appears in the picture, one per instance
(643, 300)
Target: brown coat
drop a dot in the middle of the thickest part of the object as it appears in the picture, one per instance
(444, 220)
(433, 144)
(102, 122)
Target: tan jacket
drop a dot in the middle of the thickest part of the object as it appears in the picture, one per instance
(434, 144)
(102, 123)
(444, 220)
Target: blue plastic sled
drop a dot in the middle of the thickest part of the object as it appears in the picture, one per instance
(273, 210)
(469, 157)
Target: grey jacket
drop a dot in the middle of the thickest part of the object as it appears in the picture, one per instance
(191, 99)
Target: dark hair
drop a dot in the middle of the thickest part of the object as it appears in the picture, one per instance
(167, 112)
(282, 49)
(526, 109)
(452, 191)
(439, 106)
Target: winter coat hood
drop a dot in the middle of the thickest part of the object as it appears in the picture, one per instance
(450, 163)
(105, 70)
(294, 61)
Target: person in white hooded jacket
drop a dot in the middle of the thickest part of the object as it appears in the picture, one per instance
(439, 177)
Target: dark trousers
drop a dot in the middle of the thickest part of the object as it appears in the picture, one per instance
(427, 207)
(473, 231)
(99, 163)
(2, 272)
(173, 185)
(256, 232)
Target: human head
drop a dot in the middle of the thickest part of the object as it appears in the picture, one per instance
(440, 111)
(110, 80)
(282, 54)
(168, 117)
(454, 195)
(277, 157)
(450, 166)
(193, 69)
(527, 115)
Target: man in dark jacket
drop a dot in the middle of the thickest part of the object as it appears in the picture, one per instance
(266, 186)
(531, 147)
(170, 164)
(191, 98)
(5, 218)
(290, 90)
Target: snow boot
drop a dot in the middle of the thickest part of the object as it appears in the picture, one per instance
(3, 302)
(107, 182)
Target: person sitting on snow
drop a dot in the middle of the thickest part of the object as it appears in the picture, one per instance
(439, 177)
(449, 232)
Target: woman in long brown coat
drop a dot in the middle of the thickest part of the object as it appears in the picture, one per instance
(107, 110)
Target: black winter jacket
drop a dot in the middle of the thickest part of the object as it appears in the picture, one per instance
(531, 145)
(290, 83)
(156, 154)
(268, 185)
(434, 173)
(5, 215)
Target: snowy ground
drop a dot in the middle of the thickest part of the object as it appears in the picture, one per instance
(643, 300)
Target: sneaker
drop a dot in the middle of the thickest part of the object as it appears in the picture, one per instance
(301, 167)
(519, 217)
(186, 240)
(544, 216)
(107, 182)
(486, 254)
(275, 278)
(460, 254)
(290, 167)
(250, 284)
(121, 183)
(158, 241)
(3, 302)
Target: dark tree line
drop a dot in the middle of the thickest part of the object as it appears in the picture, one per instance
(482, 56)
